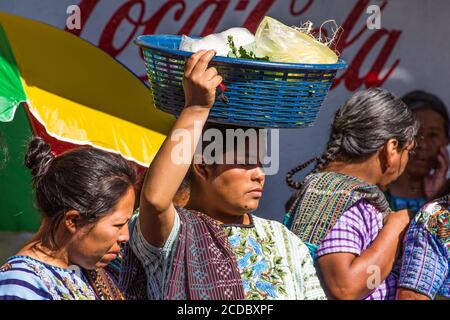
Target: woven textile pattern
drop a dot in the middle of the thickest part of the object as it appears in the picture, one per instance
(204, 266)
(324, 197)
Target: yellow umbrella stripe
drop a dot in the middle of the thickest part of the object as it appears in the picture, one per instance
(83, 96)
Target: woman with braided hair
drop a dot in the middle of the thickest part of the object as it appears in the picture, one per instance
(340, 211)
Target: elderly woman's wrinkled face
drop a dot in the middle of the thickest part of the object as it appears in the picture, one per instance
(432, 136)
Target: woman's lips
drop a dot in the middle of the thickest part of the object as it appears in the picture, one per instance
(256, 192)
(115, 254)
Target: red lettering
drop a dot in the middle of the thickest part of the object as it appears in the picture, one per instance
(217, 9)
(152, 24)
(302, 10)
(214, 20)
(123, 14)
(242, 5)
(348, 25)
(258, 13)
(352, 79)
(351, 75)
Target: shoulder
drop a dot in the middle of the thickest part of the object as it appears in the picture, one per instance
(435, 218)
(280, 232)
(22, 278)
(362, 206)
(359, 212)
(269, 224)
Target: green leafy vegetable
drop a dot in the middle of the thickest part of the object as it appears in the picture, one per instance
(242, 52)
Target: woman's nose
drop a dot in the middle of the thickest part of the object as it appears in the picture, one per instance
(258, 174)
(124, 235)
(422, 143)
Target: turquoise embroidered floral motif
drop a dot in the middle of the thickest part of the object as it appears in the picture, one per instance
(262, 272)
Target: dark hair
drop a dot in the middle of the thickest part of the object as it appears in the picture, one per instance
(361, 126)
(185, 187)
(88, 180)
(420, 100)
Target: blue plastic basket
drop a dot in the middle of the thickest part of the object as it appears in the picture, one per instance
(259, 93)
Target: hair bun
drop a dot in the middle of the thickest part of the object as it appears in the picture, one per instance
(38, 157)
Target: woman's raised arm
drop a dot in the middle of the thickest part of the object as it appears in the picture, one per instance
(169, 167)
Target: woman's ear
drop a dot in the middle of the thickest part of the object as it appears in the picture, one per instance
(72, 221)
(200, 170)
(391, 153)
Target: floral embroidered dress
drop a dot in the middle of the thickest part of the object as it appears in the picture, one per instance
(25, 278)
(273, 262)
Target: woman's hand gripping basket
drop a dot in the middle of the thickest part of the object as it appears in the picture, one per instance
(256, 93)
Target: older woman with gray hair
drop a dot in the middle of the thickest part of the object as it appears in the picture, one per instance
(340, 211)
(425, 176)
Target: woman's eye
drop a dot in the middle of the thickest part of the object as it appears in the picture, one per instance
(434, 135)
(120, 225)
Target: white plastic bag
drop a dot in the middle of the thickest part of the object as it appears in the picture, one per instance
(218, 41)
(282, 43)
